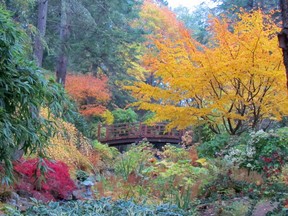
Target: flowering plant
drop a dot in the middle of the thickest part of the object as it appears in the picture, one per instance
(265, 152)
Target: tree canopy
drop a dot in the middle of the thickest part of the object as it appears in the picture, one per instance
(91, 93)
(233, 83)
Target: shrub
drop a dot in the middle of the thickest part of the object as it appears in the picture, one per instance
(213, 147)
(69, 145)
(124, 116)
(265, 152)
(50, 179)
(147, 117)
(107, 117)
(133, 160)
(175, 182)
(91, 93)
(175, 153)
(107, 154)
(237, 208)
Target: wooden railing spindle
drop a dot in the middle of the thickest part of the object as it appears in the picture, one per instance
(133, 132)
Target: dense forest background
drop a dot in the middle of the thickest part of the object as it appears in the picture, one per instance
(103, 37)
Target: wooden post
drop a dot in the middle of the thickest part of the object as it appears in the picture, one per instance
(127, 132)
(99, 131)
(139, 130)
(107, 132)
(145, 131)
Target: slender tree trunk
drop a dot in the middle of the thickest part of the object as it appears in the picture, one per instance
(64, 35)
(250, 4)
(261, 5)
(283, 36)
(41, 25)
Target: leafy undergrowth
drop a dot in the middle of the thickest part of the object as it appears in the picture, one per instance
(175, 177)
(208, 184)
(71, 146)
(246, 170)
(100, 207)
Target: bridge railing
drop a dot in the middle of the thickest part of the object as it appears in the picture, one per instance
(135, 131)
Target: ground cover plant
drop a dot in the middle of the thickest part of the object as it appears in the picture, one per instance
(101, 207)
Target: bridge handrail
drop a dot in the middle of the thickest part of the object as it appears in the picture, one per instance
(137, 130)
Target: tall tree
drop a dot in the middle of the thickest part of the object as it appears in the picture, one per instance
(232, 86)
(196, 21)
(91, 93)
(61, 68)
(41, 26)
(283, 36)
(109, 45)
(231, 7)
(155, 20)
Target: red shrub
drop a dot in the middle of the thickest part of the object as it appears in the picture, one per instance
(57, 182)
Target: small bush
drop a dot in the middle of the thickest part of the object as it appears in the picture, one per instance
(237, 208)
(45, 179)
(125, 116)
(107, 154)
(69, 145)
(133, 160)
(213, 147)
(174, 153)
(264, 152)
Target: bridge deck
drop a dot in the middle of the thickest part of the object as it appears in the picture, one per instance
(121, 134)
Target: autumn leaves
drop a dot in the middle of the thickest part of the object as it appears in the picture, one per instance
(231, 84)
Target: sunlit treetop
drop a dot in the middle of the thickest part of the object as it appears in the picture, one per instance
(91, 93)
(234, 83)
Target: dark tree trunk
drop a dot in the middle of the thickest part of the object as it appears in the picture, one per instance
(61, 69)
(250, 4)
(64, 35)
(41, 25)
(283, 36)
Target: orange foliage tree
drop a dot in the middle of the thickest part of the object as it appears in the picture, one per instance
(233, 83)
(158, 22)
(91, 94)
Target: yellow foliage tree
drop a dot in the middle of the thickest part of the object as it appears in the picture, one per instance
(234, 83)
(108, 117)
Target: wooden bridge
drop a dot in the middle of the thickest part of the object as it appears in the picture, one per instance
(123, 134)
